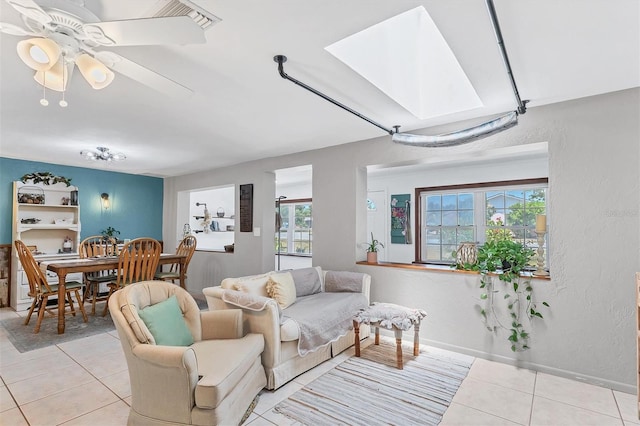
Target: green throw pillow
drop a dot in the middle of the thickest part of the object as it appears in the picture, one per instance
(166, 324)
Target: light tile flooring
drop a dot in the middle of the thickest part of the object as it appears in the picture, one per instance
(90, 386)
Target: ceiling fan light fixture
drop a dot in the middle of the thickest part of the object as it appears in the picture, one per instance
(40, 54)
(57, 77)
(102, 154)
(97, 74)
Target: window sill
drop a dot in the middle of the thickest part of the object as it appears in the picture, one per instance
(442, 268)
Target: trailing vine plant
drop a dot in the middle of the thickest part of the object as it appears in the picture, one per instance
(45, 178)
(506, 259)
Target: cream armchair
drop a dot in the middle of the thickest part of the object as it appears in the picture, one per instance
(211, 382)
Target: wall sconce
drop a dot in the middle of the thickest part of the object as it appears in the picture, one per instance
(105, 200)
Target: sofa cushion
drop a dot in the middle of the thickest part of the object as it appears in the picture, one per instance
(307, 281)
(282, 289)
(166, 324)
(343, 281)
(255, 285)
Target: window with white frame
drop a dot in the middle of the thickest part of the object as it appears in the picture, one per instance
(295, 235)
(451, 215)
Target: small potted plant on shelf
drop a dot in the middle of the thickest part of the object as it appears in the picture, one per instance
(372, 250)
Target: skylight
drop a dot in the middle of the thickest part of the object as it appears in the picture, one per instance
(408, 59)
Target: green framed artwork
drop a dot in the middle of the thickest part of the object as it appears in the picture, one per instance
(400, 219)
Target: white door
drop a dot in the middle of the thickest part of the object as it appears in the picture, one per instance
(377, 220)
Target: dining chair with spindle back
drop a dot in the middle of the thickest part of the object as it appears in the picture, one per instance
(137, 261)
(186, 248)
(41, 290)
(94, 247)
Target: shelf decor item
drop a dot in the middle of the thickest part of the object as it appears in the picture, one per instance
(467, 254)
(220, 212)
(372, 250)
(45, 178)
(31, 195)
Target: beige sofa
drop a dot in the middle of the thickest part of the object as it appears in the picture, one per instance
(282, 358)
(210, 382)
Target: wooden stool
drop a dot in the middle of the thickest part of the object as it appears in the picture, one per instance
(390, 317)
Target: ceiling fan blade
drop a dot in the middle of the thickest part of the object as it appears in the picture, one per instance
(30, 9)
(143, 75)
(16, 30)
(146, 31)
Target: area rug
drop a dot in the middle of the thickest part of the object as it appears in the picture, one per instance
(370, 390)
(25, 340)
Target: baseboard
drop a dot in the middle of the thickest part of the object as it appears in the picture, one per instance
(598, 381)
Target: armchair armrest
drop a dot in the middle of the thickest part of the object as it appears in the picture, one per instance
(222, 324)
(167, 376)
(166, 356)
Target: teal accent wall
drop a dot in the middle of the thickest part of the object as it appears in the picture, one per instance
(136, 201)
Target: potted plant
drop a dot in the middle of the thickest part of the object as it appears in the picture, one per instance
(110, 234)
(372, 250)
(506, 259)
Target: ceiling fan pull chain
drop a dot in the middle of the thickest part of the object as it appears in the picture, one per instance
(44, 101)
(63, 103)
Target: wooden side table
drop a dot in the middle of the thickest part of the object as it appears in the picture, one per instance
(390, 317)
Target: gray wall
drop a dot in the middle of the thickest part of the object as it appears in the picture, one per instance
(594, 199)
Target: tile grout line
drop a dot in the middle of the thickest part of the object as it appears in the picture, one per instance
(581, 408)
(533, 396)
(96, 378)
(15, 402)
(617, 406)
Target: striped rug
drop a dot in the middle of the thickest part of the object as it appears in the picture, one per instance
(371, 391)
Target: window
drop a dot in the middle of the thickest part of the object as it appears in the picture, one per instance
(295, 235)
(451, 215)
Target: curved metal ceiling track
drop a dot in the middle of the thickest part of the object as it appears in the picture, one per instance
(459, 137)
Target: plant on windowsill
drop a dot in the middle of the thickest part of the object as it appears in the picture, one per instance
(506, 259)
(372, 250)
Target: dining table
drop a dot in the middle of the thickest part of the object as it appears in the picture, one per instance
(94, 264)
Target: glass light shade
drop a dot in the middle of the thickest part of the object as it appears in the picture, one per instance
(95, 72)
(39, 54)
(105, 200)
(55, 78)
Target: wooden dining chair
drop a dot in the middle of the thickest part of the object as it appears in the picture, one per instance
(137, 261)
(97, 246)
(186, 248)
(41, 290)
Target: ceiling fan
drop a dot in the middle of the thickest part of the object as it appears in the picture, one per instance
(64, 34)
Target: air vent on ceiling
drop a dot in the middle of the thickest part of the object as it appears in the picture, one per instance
(186, 8)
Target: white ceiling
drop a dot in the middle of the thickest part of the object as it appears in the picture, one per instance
(242, 110)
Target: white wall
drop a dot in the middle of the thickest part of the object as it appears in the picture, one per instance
(594, 199)
(218, 200)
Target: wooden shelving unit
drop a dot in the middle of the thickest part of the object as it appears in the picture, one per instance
(43, 217)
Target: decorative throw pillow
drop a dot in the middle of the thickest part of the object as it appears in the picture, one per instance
(282, 289)
(307, 281)
(166, 323)
(256, 286)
